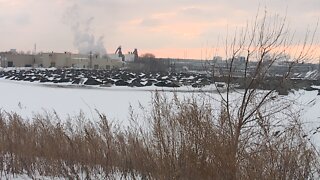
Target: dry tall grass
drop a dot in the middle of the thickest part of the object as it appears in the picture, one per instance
(182, 139)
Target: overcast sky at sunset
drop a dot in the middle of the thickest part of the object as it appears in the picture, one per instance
(167, 28)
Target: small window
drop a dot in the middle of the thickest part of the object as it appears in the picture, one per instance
(10, 64)
(96, 66)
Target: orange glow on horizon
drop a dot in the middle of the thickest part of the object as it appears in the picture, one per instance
(180, 53)
(209, 53)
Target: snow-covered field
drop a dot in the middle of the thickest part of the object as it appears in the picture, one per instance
(27, 99)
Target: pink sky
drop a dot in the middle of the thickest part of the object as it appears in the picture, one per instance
(166, 28)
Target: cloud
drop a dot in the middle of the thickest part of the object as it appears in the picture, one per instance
(150, 22)
(139, 23)
(22, 19)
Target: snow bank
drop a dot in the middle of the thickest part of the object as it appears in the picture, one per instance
(66, 100)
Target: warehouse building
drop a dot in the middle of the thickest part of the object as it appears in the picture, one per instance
(61, 60)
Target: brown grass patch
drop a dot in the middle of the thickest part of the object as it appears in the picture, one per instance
(183, 140)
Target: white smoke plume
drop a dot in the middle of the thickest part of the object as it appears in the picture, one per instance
(84, 40)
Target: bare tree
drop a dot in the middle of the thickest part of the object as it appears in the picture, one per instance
(148, 56)
(252, 112)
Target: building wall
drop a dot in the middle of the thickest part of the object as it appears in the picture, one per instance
(129, 57)
(42, 60)
(114, 57)
(78, 61)
(17, 60)
(60, 60)
(106, 63)
(83, 61)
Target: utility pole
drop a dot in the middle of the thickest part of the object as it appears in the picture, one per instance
(35, 49)
(90, 58)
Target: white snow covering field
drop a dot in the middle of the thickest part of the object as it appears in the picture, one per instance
(28, 99)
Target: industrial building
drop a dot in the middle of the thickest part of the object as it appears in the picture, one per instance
(63, 60)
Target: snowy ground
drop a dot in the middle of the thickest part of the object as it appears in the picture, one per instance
(308, 102)
(27, 99)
